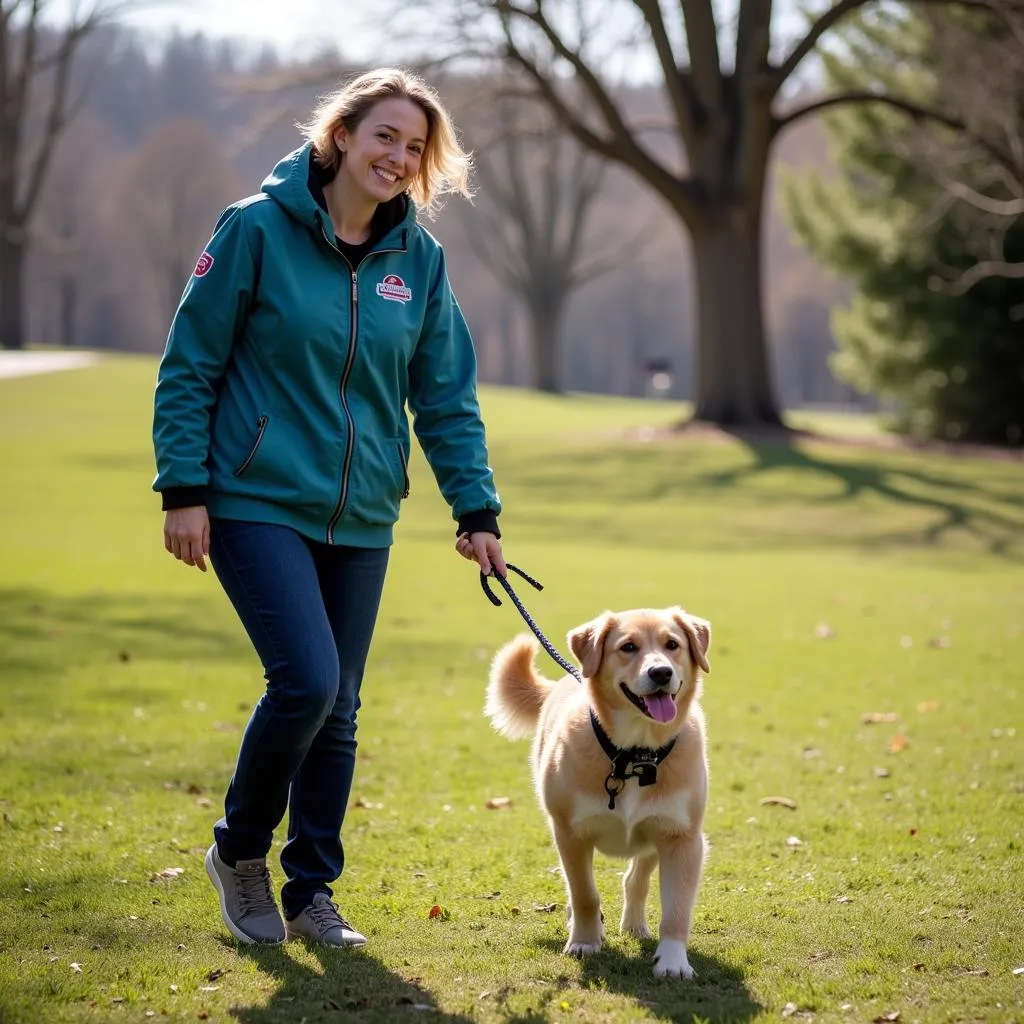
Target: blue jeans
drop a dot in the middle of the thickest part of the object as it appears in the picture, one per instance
(309, 610)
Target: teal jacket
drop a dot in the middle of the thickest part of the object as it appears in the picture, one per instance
(281, 395)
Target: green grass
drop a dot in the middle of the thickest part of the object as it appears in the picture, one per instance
(839, 580)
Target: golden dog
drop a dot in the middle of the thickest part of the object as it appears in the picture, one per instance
(641, 681)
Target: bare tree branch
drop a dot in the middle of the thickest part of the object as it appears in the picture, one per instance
(916, 111)
(705, 60)
(983, 270)
(677, 80)
(818, 28)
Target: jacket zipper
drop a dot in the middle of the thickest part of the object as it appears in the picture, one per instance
(405, 472)
(261, 429)
(350, 359)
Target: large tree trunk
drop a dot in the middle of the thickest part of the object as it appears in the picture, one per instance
(545, 330)
(734, 386)
(13, 253)
(68, 294)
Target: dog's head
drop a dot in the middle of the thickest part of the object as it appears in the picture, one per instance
(646, 659)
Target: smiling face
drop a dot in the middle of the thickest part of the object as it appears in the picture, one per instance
(382, 155)
(645, 660)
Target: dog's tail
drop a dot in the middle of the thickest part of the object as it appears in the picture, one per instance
(516, 690)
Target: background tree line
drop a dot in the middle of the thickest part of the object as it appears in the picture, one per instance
(170, 133)
(575, 264)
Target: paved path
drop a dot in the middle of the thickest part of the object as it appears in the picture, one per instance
(21, 364)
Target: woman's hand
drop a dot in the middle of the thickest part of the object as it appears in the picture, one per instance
(484, 549)
(187, 534)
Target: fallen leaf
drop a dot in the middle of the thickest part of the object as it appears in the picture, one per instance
(898, 743)
(496, 803)
(793, 841)
(437, 912)
(204, 801)
(203, 1015)
(925, 706)
(545, 908)
(881, 773)
(124, 656)
(844, 899)
(823, 631)
(878, 717)
(77, 968)
(895, 1015)
(789, 1009)
(167, 873)
(208, 988)
(1018, 970)
(913, 831)
(368, 804)
(193, 790)
(942, 642)
(978, 972)
(217, 972)
(918, 967)
(779, 801)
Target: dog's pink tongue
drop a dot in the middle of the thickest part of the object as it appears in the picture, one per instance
(661, 707)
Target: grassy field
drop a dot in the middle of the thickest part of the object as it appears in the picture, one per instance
(867, 606)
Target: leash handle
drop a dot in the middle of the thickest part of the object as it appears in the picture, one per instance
(496, 601)
(492, 597)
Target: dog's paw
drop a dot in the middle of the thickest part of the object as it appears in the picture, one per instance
(670, 960)
(576, 948)
(638, 931)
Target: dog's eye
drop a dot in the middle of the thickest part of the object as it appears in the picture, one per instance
(629, 647)
(671, 645)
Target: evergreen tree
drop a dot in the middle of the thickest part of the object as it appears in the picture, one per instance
(952, 363)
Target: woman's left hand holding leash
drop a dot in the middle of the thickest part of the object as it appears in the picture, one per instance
(484, 549)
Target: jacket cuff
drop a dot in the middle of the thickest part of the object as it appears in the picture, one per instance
(481, 521)
(182, 497)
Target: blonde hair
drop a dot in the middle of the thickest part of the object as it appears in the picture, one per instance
(445, 166)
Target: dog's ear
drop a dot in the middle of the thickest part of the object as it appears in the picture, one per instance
(587, 642)
(698, 633)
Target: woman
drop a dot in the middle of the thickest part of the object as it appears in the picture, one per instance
(318, 311)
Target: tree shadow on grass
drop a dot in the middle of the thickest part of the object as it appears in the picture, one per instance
(717, 994)
(351, 985)
(838, 474)
(897, 483)
(41, 632)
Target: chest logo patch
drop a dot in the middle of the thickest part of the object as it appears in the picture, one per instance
(203, 265)
(394, 289)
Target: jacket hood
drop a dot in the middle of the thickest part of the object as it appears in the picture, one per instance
(296, 183)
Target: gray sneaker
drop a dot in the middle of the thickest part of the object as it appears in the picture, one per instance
(246, 900)
(321, 922)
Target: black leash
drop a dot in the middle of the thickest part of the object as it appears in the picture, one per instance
(640, 763)
(496, 601)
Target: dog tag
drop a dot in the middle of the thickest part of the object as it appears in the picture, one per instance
(613, 787)
(646, 773)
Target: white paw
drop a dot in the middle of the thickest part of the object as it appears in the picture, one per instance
(576, 948)
(638, 929)
(670, 960)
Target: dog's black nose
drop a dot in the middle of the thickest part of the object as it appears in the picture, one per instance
(660, 675)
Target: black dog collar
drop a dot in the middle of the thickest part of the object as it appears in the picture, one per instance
(640, 763)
